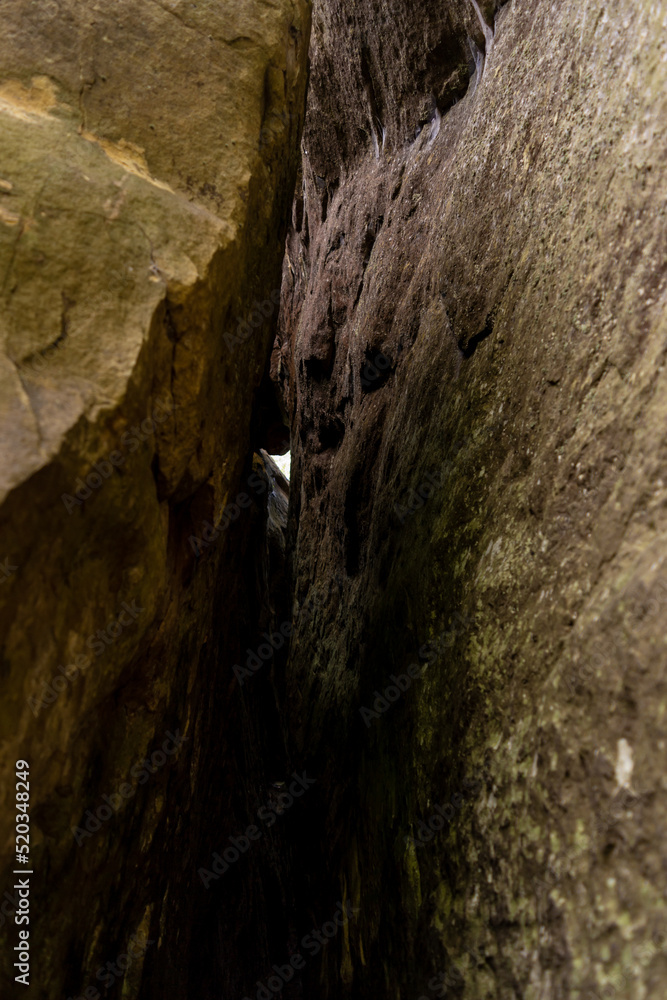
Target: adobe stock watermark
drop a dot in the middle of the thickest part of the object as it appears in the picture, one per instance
(452, 978)
(141, 771)
(255, 661)
(208, 533)
(98, 642)
(107, 974)
(400, 683)
(130, 441)
(258, 315)
(417, 498)
(312, 943)
(7, 570)
(274, 641)
(434, 481)
(240, 845)
(15, 906)
(444, 814)
(375, 372)
(36, 363)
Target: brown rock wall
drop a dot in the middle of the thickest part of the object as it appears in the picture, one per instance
(472, 353)
(147, 163)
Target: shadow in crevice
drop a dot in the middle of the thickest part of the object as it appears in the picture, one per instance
(469, 348)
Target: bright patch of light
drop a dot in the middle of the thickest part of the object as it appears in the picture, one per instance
(284, 463)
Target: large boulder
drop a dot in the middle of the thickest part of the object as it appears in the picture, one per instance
(472, 353)
(148, 154)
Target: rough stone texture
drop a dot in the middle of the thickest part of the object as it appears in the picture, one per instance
(147, 162)
(505, 269)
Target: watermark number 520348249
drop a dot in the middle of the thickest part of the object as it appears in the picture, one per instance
(23, 868)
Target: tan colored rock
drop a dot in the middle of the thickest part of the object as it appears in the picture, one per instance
(147, 162)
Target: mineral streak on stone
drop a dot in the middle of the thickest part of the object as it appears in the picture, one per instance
(147, 162)
(472, 355)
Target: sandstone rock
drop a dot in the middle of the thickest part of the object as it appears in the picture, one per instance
(472, 356)
(147, 164)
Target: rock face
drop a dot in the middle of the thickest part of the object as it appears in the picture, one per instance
(147, 163)
(472, 354)
(406, 740)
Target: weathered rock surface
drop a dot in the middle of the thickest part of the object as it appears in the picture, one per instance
(147, 162)
(472, 353)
